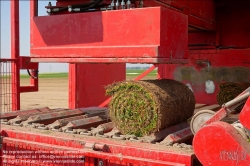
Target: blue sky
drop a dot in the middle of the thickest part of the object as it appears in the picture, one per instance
(25, 33)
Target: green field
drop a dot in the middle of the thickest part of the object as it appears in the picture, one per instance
(48, 75)
(138, 72)
(129, 73)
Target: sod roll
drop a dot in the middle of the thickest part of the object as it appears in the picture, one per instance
(143, 107)
(228, 91)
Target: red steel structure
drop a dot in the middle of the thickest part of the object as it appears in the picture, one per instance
(200, 43)
(10, 90)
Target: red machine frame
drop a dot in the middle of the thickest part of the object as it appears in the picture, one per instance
(19, 62)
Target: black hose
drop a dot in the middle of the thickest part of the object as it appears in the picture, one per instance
(63, 9)
(81, 5)
(75, 6)
(32, 76)
(93, 4)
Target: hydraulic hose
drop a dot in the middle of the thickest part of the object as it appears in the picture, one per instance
(87, 6)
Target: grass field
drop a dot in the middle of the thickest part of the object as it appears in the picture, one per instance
(129, 73)
(48, 75)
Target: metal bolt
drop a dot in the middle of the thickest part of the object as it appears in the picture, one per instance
(128, 4)
(100, 163)
(117, 4)
(49, 11)
(82, 158)
(112, 5)
(123, 4)
(70, 9)
(141, 4)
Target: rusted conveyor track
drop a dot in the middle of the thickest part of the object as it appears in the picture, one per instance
(94, 121)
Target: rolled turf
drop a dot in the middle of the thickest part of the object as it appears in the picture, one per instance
(143, 107)
(228, 91)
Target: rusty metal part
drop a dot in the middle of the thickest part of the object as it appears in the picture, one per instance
(103, 128)
(51, 117)
(85, 123)
(178, 137)
(10, 115)
(24, 117)
(93, 110)
(160, 135)
(114, 131)
(63, 122)
(96, 146)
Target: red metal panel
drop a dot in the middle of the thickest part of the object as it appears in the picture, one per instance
(228, 146)
(201, 38)
(234, 25)
(228, 65)
(88, 80)
(112, 60)
(201, 14)
(93, 35)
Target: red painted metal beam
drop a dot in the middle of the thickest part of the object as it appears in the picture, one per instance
(141, 151)
(112, 60)
(26, 64)
(15, 53)
(54, 152)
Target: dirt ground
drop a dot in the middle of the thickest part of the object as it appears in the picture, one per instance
(53, 93)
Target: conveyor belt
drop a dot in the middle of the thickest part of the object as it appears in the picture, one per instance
(94, 121)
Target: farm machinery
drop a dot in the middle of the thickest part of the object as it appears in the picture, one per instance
(202, 44)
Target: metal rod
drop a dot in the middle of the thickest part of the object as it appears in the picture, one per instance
(237, 100)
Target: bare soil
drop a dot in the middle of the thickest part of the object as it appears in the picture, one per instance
(53, 93)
